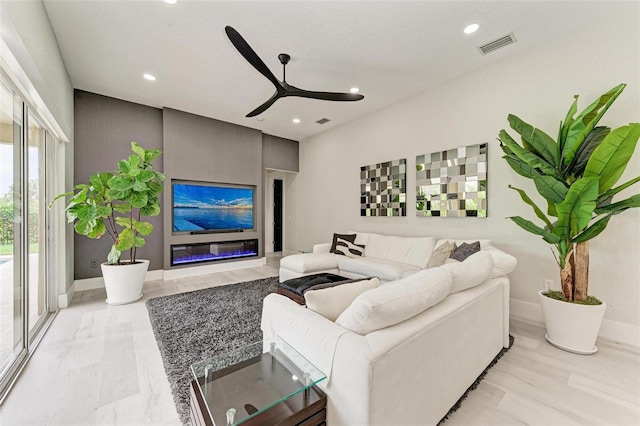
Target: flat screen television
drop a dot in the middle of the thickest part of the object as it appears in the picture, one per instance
(202, 208)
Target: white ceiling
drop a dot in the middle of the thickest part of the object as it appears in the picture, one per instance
(391, 50)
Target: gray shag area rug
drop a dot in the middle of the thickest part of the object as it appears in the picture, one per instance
(190, 327)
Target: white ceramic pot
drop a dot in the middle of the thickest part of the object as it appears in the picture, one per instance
(124, 282)
(571, 326)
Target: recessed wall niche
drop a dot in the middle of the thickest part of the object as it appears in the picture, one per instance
(452, 183)
(383, 189)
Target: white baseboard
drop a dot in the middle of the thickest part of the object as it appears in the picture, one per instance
(612, 330)
(64, 299)
(210, 269)
(98, 282)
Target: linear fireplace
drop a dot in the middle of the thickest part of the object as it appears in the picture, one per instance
(185, 254)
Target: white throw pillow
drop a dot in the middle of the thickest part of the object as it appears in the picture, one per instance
(474, 270)
(330, 302)
(503, 263)
(396, 301)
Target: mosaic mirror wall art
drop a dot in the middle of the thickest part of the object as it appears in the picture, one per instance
(383, 189)
(452, 183)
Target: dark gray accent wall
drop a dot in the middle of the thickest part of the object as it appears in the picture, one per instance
(104, 129)
(280, 154)
(197, 148)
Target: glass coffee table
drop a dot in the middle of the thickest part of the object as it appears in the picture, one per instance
(264, 383)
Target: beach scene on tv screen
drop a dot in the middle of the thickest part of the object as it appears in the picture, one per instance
(203, 208)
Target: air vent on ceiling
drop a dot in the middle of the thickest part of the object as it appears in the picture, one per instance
(497, 43)
(323, 120)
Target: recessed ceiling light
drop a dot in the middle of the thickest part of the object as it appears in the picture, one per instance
(149, 77)
(296, 121)
(469, 29)
(170, 1)
(354, 90)
(260, 118)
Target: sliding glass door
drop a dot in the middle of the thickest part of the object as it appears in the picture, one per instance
(12, 345)
(26, 291)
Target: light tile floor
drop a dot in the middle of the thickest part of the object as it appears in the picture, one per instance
(100, 364)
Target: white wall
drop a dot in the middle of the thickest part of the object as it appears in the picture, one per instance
(30, 40)
(537, 85)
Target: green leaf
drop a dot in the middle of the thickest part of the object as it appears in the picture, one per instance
(144, 228)
(150, 155)
(138, 150)
(121, 183)
(541, 143)
(146, 175)
(103, 211)
(83, 227)
(576, 211)
(139, 242)
(96, 182)
(150, 210)
(593, 140)
(98, 230)
(81, 196)
(609, 160)
(610, 193)
(139, 186)
(117, 194)
(620, 206)
(551, 188)
(535, 229)
(134, 162)
(529, 158)
(568, 122)
(592, 231)
(160, 177)
(124, 166)
(139, 199)
(87, 212)
(122, 207)
(155, 187)
(125, 222)
(106, 177)
(536, 209)
(114, 255)
(520, 167)
(586, 121)
(126, 240)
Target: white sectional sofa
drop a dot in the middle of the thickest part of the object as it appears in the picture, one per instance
(386, 257)
(404, 352)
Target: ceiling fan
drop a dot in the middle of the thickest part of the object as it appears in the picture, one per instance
(283, 89)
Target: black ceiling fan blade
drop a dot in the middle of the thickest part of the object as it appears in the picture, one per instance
(262, 108)
(252, 57)
(326, 96)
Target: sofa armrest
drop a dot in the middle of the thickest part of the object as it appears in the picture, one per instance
(321, 248)
(311, 334)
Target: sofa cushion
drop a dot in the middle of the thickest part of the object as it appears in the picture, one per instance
(347, 237)
(394, 302)
(440, 254)
(474, 270)
(503, 263)
(386, 270)
(345, 248)
(414, 251)
(464, 250)
(331, 301)
(310, 262)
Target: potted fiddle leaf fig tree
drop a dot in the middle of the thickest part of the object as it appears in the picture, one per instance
(114, 204)
(577, 176)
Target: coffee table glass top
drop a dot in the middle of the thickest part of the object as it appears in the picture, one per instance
(251, 379)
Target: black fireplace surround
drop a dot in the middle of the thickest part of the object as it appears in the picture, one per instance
(194, 253)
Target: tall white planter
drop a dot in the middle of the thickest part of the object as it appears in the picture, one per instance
(571, 326)
(124, 282)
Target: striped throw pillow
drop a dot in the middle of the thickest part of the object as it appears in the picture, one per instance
(348, 249)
